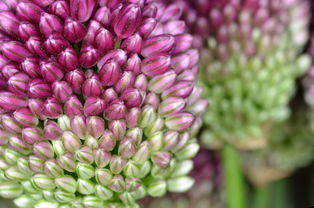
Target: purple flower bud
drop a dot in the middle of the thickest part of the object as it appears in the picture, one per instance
(132, 44)
(17, 143)
(160, 83)
(107, 141)
(158, 44)
(131, 97)
(170, 140)
(187, 75)
(117, 164)
(15, 51)
(171, 106)
(35, 46)
(94, 106)
(104, 41)
(55, 43)
(156, 65)
(10, 124)
(109, 73)
(9, 23)
(32, 135)
(182, 43)
(73, 106)
(50, 23)
(89, 56)
(67, 162)
(126, 148)
(71, 141)
(110, 95)
(76, 78)
(74, 31)
(68, 59)
(9, 70)
(52, 108)
(132, 118)
(126, 81)
(115, 111)
(29, 12)
(118, 128)
(194, 57)
(84, 155)
(175, 27)
(18, 83)
(116, 55)
(25, 117)
(95, 126)
(180, 121)
(141, 83)
(9, 4)
(180, 89)
(36, 105)
(133, 64)
(151, 10)
(61, 90)
(51, 71)
(162, 159)
(10, 101)
(109, 3)
(3, 61)
(127, 21)
(152, 99)
(36, 164)
(102, 158)
(143, 153)
(43, 3)
(27, 30)
(103, 16)
(92, 87)
(172, 12)
(60, 8)
(43, 150)
(81, 10)
(4, 137)
(52, 169)
(180, 63)
(39, 89)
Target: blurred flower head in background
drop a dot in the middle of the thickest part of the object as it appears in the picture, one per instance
(98, 102)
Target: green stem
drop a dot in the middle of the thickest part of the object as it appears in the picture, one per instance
(261, 197)
(233, 177)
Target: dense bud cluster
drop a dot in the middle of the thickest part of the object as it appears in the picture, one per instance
(250, 63)
(98, 102)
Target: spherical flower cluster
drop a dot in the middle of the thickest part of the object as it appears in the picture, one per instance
(250, 63)
(98, 102)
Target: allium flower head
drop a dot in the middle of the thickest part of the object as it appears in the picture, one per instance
(250, 63)
(98, 102)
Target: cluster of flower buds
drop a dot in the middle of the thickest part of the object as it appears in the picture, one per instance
(206, 192)
(98, 102)
(250, 63)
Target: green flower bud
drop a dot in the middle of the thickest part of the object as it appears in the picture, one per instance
(117, 164)
(71, 142)
(48, 195)
(131, 184)
(103, 176)
(157, 188)
(180, 184)
(131, 169)
(52, 168)
(23, 166)
(11, 156)
(46, 204)
(135, 134)
(148, 116)
(103, 192)
(84, 155)
(43, 182)
(101, 157)
(155, 126)
(91, 142)
(64, 122)
(66, 183)
(145, 168)
(182, 168)
(67, 162)
(10, 189)
(58, 147)
(85, 171)
(127, 198)
(188, 152)
(15, 174)
(25, 201)
(85, 187)
(29, 187)
(92, 202)
(156, 141)
(36, 164)
(64, 197)
(117, 184)
(142, 153)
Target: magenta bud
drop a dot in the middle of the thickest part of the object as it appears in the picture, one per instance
(15, 51)
(115, 111)
(43, 3)
(151, 10)
(39, 89)
(110, 95)
(118, 128)
(141, 83)
(127, 20)
(126, 148)
(104, 41)
(132, 44)
(175, 27)
(31, 67)
(180, 63)
(81, 10)
(187, 75)
(179, 121)
(182, 43)
(74, 31)
(43, 150)
(29, 12)
(133, 64)
(89, 56)
(162, 82)
(126, 81)
(92, 30)
(156, 65)
(60, 8)
(9, 70)
(35, 46)
(170, 140)
(27, 30)
(180, 89)
(152, 99)
(158, 44)
(78, 126)
(194, 57)
(18, 83)
(109, 73)
(73, 106)
(94, 106)
(52, 108)
(171, 105)
(92, 87)
(109, 3)
(3, 61)
(55, 43)
(76, 78)
(161, 159)
(32, 135)
(9, 23)
(25, 117)
(36, 105)
(133, 117)
(51, 71)
(89, 73)
(11, 101)
(50, 23)
(131, 97)
(172, 12)
(95, 126)
(107, 142)
(68, 59)
(147, 27)
(62, 90)
(103, 16)
(116, 55)
(10, 4)
(10, 124)
(52, 130)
